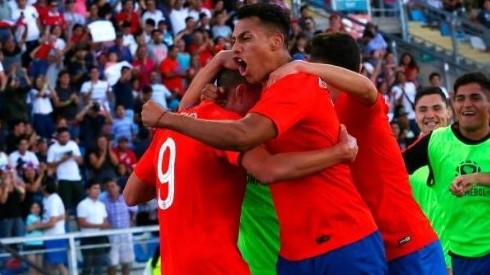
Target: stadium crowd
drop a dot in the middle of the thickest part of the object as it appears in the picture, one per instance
(70, 122)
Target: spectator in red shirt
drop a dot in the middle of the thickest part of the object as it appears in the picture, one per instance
(124, 154)
(172, 74)
(143, 66)
(53, 16)
(128, 14)
(203, 46)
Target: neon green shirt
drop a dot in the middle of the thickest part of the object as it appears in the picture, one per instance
(259, 229)
(427, 199)
(468, 219)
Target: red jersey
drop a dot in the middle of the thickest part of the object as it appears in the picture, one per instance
(132, 18)
(323, 211)
(128, 157)
(54, 19)
(380, 176)
(174, 83)
(200, 191)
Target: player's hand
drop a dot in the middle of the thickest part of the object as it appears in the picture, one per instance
(225, 58)
(151, 113)
(213, 93)
(292, 67)
(462, 184)
(348, 144)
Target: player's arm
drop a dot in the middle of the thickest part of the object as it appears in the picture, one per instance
(348, 81)
(206, 75)
(417, 155)
(137, 191)
(464, 183)
(238, 135)
(269, 168)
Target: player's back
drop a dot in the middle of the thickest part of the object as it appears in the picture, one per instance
(323, 211)
(379, 174)
(199, 231)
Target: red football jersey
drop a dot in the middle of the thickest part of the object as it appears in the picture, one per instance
(380, 176)
(200, 192)
(323, 211)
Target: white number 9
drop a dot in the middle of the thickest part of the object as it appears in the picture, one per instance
(169, 176)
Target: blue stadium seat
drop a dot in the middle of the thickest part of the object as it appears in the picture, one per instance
(418, 15)
(144, 251)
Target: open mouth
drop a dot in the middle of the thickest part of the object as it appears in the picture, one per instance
(242, 65)
(468, 114)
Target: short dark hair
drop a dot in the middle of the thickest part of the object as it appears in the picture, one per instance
(430, 91)
(337, 48)
(433, 74)
(271, 15)
(229, 78)
(150, 21)
(474, 77)
(62, 130)
(50, 186)
(91, 183)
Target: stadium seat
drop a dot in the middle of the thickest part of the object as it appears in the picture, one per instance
(418, 15)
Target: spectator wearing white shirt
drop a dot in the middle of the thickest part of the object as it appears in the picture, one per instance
(22, 155)
(157, 50)
(27, 15)
(92, 217)
(197, 9)
(177, 16)
(404, 92)
(435, 80)
(96, 90)
(42, 108)
(53, 223)
(161, 94)
(64, 156)
(152, 12)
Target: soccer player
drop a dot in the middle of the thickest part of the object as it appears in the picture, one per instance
(432, 111)
(378, 171)
(456, 150)
(203, 189)
(323, 221)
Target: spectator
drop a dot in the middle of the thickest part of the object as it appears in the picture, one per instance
(149, 27)
(27, 16)
(178, 16)
(33, 218)
(41, 150)
(64, 156)
(378, 43)
(54, 17)
(12, 53)
(220, 28)
(5, 15)
(335, 24)
(435, 80)
(92, 217)
(186, 33)
(305, 15)
(404, 92)
(157, 50)
(12, 194)
(123, 126)
(309, 29)
(123, 51)
(183, 57)
(42, 109)
(120, 216)
(127, 14)
(53, 223)
(97, 90)
(152, 12)
(167, 36)
(78, 66)
(143, 65)
(204, 23)
(123, 92)
(72, 17)
(22, 155)
(161, 94)
(143, 132)
(11, 140)
(409, 67)
(202, 46)
(16, 96)
(32, 177)
(66, 100)
(92, 120)
(102, 161)
(483, 16)
(122, 175)
(124, 154)
(197, 8)
(93, 14)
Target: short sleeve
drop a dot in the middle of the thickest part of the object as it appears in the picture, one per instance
(81, 211)
(288, 100)
(85, 87)
(145, 168)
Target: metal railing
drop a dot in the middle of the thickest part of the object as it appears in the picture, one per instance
(72, 238)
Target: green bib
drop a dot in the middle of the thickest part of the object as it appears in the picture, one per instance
(468, 217)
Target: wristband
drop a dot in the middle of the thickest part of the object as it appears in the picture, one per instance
(160, 117)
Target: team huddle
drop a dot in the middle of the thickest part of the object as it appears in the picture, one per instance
(327, 190)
